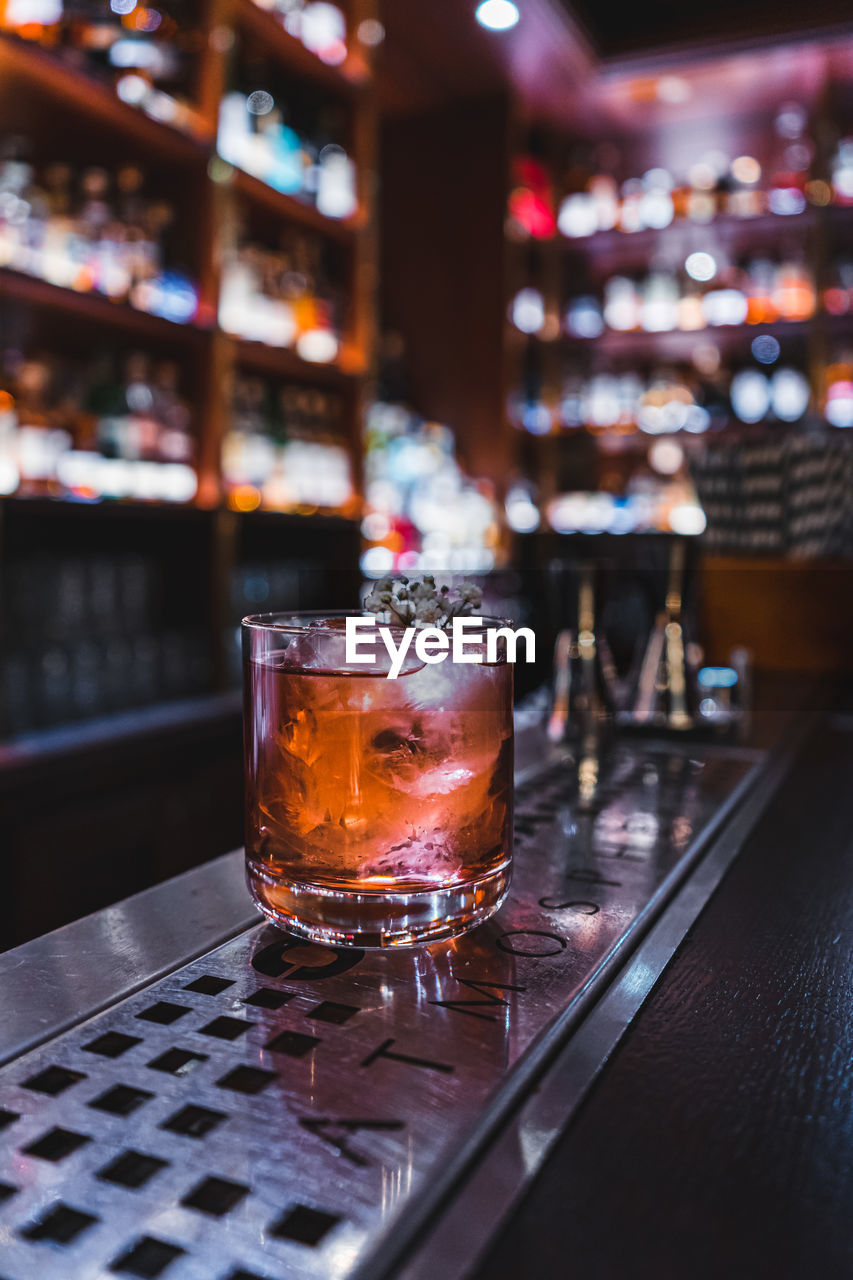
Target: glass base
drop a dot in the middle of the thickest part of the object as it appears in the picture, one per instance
(344, 919)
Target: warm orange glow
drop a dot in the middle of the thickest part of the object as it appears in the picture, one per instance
(760, 311)
(244, 498)
(819, 192)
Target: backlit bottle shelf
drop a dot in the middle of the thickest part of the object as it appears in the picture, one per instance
(37, 68)
(282, 362)
(725, 227)
(102, 312)
(345, 80)
(289, 209)
(674, 341)
(94, 307)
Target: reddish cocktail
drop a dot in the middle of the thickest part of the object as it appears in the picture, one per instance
(379, 811)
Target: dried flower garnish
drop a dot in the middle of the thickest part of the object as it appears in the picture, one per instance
(421, 603)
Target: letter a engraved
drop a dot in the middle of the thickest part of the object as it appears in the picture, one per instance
(465, 1006)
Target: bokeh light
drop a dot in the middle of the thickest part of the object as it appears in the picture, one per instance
(687, 519)
(522, 513)
(371, 32)
(666, 457)
(839, 403)
(746, 169)
(673, 89)
(789, 394)
(700, 266)
(765, 348)
(750, 395)
(260, 103)
(497, 15)
(528, 311)
(584, 319)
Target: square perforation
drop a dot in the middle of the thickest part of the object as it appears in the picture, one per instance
(246, 1079)
(194, 1122)
(293, 1043)
(216, 1196)
(177, 1062)
(304, 1225)
(121, 1100)
(267, 998)
(7, 1191)
(56, 1144)
(328, 1011)
(132, 1169)
(226, 1028)
(61, 1224)
(112, 1044)
(164, 1012)
(53, 1080)
(209, 985)
(148, 1259)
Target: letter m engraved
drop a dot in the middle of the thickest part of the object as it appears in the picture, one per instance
(472, 1006)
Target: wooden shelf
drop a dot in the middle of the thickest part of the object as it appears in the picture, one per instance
(95, 308)
(281, 362)
(68, 115)
(277, 362)
(118, 509)
(671, 344)
(290, 210)
(281, 520)
(345, 80)
(678, 344)
(30, 64)
(725, 228)
(127, 509)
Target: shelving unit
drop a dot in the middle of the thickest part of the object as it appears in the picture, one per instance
(740, 97)
(38, 84)
(348, 79)
(93, 309)
(29, 67)
(244, 187)
(71, 115)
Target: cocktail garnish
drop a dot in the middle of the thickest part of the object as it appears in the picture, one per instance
(420, 603)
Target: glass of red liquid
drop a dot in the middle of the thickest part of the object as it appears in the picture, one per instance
(378, 811)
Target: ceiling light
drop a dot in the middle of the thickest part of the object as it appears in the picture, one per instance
(497, 15)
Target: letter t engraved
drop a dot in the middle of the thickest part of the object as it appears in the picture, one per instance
(383, 1052)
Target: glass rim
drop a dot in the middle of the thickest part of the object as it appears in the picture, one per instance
(297, 620)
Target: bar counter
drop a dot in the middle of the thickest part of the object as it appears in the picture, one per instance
(638, 1065)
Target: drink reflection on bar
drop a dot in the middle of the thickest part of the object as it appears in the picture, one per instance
(305, 304)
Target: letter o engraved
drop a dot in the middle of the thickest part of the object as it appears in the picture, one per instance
(582, 907)
(300, 961)
(503, 944)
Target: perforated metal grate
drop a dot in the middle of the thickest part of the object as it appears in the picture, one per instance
(270, 1109)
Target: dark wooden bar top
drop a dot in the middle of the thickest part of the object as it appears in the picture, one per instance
(718, 1142)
